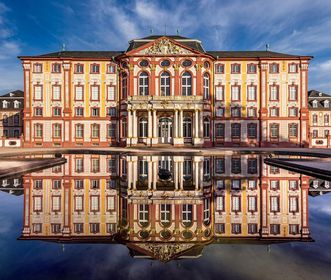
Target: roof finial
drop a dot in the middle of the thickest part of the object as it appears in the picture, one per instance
(63, 47)
(165, 29)
(151, 31)
(267, 47)
(177, 31)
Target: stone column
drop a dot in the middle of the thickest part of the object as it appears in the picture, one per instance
(176, 174)
(176, 124)
(304, 206)
(134, 126)
(196, 174)
(129, 124)
(180, 177)
(67, 209)
(150, 125)
(264, 207)
(155, 171)
(155, 127)
(129, 173)
(134, 172)
(26, 181)
(197, 140)
(150, 174)
(201, 124)
(263, 104)
(27, 110)
(181, 124)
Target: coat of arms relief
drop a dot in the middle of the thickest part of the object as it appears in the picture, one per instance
(164, 47)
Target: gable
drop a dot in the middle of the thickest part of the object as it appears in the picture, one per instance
(163, 46)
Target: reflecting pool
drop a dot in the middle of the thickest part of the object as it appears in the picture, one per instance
(132, 216)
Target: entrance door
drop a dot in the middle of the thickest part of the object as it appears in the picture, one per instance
(165, 130)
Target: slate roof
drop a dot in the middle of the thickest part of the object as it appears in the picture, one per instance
(15, 93)
(315, 93)
(10, 98)
(320, 97)
(79, 54)
(250, 54)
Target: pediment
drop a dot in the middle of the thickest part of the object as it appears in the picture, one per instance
(164, 46)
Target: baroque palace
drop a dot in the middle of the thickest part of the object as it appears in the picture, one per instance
(166, 90)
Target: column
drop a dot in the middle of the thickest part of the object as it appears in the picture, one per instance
(176, 124)
(196, 174)
(67, 103)
(134, 133)
(129, 173)
(129, 124)
(304, 206)
(180, 177)
(67, 210)
(155, 171)
(264, 207)
(155, 127)
(196, 124)
(201, 124)
(263, 104)
(176, 174)
(134, 172)
(26, 224)
(181, 124)
(150, 125)
(27, 110)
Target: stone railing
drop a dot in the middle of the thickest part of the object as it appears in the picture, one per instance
(165, 98)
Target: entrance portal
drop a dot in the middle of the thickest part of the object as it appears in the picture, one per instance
(165, 130)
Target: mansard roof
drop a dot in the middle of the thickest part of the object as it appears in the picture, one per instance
(317, 94)
(251, 54)
(14, 94)
(78, 54)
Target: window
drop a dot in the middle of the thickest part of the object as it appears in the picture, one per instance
(252, 203)
(112, 167)
(165, 214)
(79, 184)
(326, 119)
(95, 93)
(143, 127)
(235, 93)
(220, 112)
(56, 228)
(206, 211)
(220, 200)
(79, 131)
(274, 185)
(315, 104)
(293, 130)
(110, 203)
(274, 203)
(78, 227)
(293, 204)
(94, 203)
(235, 68)
(38, 111)
(326, 104)
(252, 184)
(111, 130)
(165, 63)
(293, 93)
(56, 93)
(143, 84)
(274, 130)
(206, 128)
(252, 228)
(57, 130)
(235, 203)
(236, 184)
(236, 165)
(38, 92)
(38, 130)
(124, 128)
(235, 228)
(56, 203)
(219, 130)
(111, 111)
(110, 93)
(315, 118)
(37, 203)
(252, 130)
(315, 133)
(95, 112)
(110, 68)
(143, 168)
(220, 228)
(165, 84)
(293, 112)
(56, 68)
(57, 112)
(326, 133)
(111, 184)
(275, 229)
(235, 130)
(187, 127)
(95, 69)
(206, 168)
(94, 227)
(37, 68)
(220, 185)
(219, 68)
(16, 104)
(79, 93)
(293, 68)
(293, 185)
(36, 228)
(79, 68)
(79, 111)
(251, 68)
(16, 119)
(251, 112)
(186, 84)
(143, 214)
(95, 165)
(206, 85)
(251, 96)
(187, 63)
(274, 93)
(252, 166)
(219, 165)
(111, 228)
(187, 214)
(293, 229)
(124, 85)
(219, 93)
(236, 112)
(5, 104)
(56, 184)
(95, 128)
(273, 68)
(79, 164)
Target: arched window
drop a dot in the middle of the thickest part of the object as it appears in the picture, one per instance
(143, 127)
(143, 83)
(124, 85)
(206, 91)
(187, 214)
(165, 214)
(187, 127)
(143, 214)
(143, 169)
(186, 84)
(206, 128)
(165, 84)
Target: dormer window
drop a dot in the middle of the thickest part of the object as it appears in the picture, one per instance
(4, 104)
(326, 104)
(16, 104)
(315, 103)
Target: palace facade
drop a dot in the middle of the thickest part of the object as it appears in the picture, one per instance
(164, 207)
(165, 90)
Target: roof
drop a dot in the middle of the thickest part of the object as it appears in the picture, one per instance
(79, 54)
(16, 94)
(250, 54)
(315, 93)
(174, 37)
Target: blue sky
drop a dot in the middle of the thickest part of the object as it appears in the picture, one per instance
(29, 27)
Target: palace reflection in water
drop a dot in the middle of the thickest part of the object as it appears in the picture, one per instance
(164, 207)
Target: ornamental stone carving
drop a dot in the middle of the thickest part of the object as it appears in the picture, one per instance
(164, 47)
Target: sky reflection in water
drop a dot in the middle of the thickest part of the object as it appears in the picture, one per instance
(41, 260)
